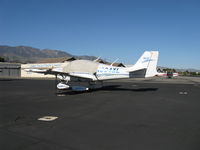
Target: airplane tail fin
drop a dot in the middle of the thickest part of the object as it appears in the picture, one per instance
(145, 66)
(152, 66)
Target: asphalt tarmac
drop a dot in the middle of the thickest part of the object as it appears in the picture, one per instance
(155, 114)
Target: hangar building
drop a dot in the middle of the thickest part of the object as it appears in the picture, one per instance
(10, 70)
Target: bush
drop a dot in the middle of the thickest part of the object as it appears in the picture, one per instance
(2, 59)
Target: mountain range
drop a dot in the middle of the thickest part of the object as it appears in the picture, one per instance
(27, 54)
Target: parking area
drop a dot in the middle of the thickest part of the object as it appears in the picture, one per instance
(123, 115)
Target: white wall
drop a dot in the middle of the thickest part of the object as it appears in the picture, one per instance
(25, 74)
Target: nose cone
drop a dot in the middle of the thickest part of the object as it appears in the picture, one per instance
(62, 86)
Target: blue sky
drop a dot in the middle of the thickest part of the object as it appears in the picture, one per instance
(108, 28)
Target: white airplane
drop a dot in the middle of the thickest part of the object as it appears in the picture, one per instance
(82, 75)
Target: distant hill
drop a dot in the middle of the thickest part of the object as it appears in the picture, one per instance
(181, 70)
(188, 69)
(26, 54)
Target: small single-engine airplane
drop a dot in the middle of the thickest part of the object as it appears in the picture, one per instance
(82, 75)
(167, 74)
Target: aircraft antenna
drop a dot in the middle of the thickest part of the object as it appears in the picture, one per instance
(115, 61)
(97, 59)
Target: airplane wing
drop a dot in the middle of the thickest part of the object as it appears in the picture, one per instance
(45, 71)
(58, 71)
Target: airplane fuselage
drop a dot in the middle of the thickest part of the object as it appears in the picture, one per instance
(93, 70)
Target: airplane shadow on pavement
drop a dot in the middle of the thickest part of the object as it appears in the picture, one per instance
(108, 88)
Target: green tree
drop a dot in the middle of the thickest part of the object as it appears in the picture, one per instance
(2, 59)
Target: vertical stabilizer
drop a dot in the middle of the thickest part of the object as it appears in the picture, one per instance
(152, 66)
(145, 66)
